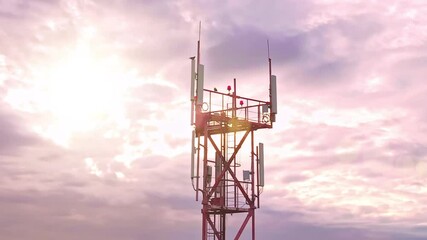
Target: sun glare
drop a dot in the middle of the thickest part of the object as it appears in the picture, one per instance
(84, 93)
(79, 92)
(84, 88)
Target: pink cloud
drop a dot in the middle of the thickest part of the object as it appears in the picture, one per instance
(346, 158)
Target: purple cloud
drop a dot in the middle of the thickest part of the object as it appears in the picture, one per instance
(94, 116)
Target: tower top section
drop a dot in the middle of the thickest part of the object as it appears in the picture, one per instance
(215, 160)
(218, 112)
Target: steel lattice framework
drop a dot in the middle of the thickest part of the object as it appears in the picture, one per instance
(224, 125)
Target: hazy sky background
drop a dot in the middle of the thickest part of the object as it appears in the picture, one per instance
(94, 115)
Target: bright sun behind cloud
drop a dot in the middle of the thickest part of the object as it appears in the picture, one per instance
(85, 91)
(79, 92)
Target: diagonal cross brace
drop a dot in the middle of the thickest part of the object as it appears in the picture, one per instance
(239, 233)
(227, 167)
(213, 227)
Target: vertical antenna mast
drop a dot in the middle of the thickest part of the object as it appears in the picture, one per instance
(273, 88)
(269, 59)
(198, 51)
(200, 76)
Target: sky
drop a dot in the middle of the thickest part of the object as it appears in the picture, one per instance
(95, 115)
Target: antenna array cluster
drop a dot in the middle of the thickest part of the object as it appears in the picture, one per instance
(222, 122)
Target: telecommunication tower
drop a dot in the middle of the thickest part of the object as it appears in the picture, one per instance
(222, 122)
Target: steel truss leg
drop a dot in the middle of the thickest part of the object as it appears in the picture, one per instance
(208, 193)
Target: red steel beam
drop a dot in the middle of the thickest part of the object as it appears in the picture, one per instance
(227, 164)
(244, 225)
(233, 175)
(214, 228)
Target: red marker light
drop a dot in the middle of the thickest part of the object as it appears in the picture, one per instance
(241, 102)
(229, 88)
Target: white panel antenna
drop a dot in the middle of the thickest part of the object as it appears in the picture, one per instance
(193, 82)
(193, 77)
(200, 79)
(246, 175)
(273, 92)
(265, 108)
(261, 164)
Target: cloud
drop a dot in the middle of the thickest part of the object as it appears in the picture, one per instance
(14, 135)
(345, 159)
(90, 217)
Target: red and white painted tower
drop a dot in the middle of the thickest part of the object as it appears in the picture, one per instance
(224, 126)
